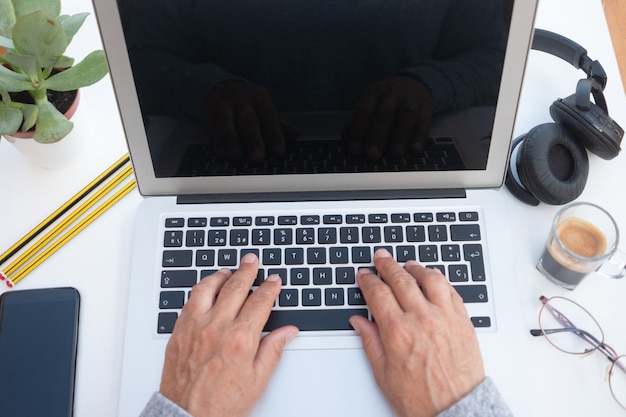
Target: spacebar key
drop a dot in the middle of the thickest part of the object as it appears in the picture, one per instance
(309, 320)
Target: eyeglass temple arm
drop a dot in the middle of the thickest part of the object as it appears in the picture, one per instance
(606, 350)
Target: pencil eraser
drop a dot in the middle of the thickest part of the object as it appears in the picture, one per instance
(2, 276)
(9, 283)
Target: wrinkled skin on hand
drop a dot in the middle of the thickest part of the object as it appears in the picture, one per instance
(423, 347)
(216, 363)
(393, 115)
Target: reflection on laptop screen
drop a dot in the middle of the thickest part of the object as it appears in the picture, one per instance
(281, 87)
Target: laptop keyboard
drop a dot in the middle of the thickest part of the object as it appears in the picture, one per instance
(324, 156)
(318, 256)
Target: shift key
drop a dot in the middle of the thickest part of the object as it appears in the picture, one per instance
(472, 293)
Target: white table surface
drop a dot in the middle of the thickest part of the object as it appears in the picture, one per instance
(97, 261)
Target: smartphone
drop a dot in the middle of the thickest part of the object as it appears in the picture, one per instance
(38, 344)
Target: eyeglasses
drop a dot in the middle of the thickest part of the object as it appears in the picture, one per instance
(570, 328)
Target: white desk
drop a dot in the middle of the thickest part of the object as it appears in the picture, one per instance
(97, 261)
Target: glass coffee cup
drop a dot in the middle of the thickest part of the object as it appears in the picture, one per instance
(583, 239)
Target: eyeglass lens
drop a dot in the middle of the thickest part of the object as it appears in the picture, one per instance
(569, 327)
(617, 379)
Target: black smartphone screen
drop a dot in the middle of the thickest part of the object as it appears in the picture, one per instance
(38, 341)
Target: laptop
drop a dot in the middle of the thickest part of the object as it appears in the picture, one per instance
(314, 222)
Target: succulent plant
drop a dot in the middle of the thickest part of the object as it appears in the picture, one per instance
(33, 39)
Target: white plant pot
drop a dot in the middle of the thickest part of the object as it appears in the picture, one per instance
(55, 155)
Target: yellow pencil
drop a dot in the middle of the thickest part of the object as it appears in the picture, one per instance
(70, 234)
(73, 216)
(63, 209)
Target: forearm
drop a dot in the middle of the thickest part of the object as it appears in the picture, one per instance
(483, 401)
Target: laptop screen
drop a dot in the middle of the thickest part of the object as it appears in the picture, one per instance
(278, 89)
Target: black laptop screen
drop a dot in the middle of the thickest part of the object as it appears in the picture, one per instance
(250, 87)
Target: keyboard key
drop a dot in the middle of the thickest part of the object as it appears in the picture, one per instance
(287, 220)
(481, 321)
(311, 297)
(217, 238)
(450, 253)
(299, 276)
(283, 236)
(197, 222)
(339, 255)
(239, 237)
(242, 221)
(311, 219)
(312, 320)
(227, 257)
(261, 237)
(194, 238)
(177, 258)
(355, 297)
(448, 216)
(349, 235)
(405, 253)
(178, 278)
(355, 218)
(327, 235)
(415, 234)
(400, 218)
(458, 273)
(333, 296)
(288, 298)
(345, 275)
(322, 276)
(393, 234)
(173, 239)
(460, 232)
(472, 293)
(361, 255)
(423, 217)
(171, 299)
(437, 233)
(220, 221)
(175, 222)
(316, 256)
(333, 219)
(271, 256)
(428, 253)
(305, 236)
(281, 272)
(468, 216)
(264, 221)
(166, 321)
(377, 218)
(474, 254)
(371, 234)
(294, 256)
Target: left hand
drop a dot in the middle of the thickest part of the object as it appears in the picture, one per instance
(393, 113)
(216, 363)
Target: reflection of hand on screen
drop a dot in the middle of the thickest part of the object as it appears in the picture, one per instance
(244, 123)
(393, 114)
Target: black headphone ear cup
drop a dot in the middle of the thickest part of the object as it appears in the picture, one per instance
(552, 165)
(602, 141)
(512, 181)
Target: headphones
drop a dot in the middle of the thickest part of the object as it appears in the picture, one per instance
(549, 163)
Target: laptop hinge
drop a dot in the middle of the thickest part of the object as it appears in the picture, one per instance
(321, 196)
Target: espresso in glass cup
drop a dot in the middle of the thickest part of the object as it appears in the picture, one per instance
(583, 239)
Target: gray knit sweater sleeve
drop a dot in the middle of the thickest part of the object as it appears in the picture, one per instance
(160, 406)
(483, 401)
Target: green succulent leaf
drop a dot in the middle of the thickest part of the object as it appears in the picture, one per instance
(64, 62)
(52, 126)
(24, 7)
(6, 42)
(41, 35)
(10, 119)
(27, 64)
(30, 113)
(7, 17)
(73, 23)
(87, 72)
(12, 81)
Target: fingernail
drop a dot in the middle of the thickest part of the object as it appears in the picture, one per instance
(292, 334)
(249, 258)
(382, 253)
(356, 329)
(411, 262)
(273, 278)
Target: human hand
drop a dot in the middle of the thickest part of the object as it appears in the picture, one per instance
(244, 123)
(422, 348)
(216, 363)
(393, 113)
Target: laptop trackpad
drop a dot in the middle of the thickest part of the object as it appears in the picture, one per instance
(326, 382)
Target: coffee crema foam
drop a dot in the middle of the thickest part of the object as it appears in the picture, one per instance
(580, 237)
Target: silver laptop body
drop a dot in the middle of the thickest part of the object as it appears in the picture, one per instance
(322, 372)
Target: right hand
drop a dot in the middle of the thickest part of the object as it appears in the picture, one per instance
(244, 123)
(423, 348)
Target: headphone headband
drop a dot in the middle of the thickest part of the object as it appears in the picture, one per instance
(570, 52)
